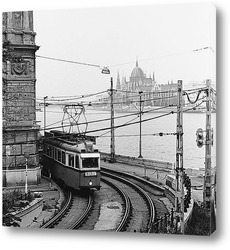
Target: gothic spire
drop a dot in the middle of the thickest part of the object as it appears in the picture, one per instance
(118, 86)
(136, 61)
(154, 77)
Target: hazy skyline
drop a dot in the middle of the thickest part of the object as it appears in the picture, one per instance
(162, 37)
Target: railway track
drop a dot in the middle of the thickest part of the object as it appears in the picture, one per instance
(138, 209)
(139, 216)
(156, 192)
(127, 205)
(73, 213)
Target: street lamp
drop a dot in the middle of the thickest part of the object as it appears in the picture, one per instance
(105, 70)
(45, 113)
(140, 156)
(26, 155)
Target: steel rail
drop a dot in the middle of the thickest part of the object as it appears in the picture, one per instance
(128, 206)
(61, 213)
(142, 192)
(85, 214)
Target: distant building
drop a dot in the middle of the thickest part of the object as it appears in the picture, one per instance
(20, 131)
(153, 94)
(168, 94)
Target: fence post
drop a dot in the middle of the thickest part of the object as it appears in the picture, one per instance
(172, 212)
(157, 225)
(165, 223)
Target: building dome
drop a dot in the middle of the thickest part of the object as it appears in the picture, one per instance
(137, 72)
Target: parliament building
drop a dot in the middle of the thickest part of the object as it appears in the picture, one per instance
(152, 93)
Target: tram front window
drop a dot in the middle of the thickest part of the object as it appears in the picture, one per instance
(89, 162)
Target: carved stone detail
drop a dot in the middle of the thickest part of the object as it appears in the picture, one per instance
(20, 68)
(18, 20)
(4, 19)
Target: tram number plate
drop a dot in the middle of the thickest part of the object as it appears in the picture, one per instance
(90, 173)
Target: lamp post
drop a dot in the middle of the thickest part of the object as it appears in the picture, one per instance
(140, 156)
(45, 113)
(26, 155)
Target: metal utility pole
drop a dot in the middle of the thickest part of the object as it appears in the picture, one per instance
(26, 155)
(179, 206)
(140, 156)
(45, 113)
(112, 145)
(207, 190)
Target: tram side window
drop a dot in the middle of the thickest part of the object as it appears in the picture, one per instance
(44, 149)
(59, 155)
(55, 153)
(77, 161)
(52, 152)
(63, 157)
(48, 150)
(71, 160)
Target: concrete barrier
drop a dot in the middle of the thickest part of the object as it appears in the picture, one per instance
(29, 213)
(17, 177)
(140, 162)
(170, 194)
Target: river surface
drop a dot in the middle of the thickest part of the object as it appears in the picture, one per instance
(127, 137)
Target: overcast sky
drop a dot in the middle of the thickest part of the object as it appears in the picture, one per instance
(162, 37)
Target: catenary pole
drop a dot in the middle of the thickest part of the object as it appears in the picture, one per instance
(207, 190)
(45, 113)
(140, 140)
(112, 145)
(179, 157)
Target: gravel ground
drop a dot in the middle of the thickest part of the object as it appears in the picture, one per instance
(52, 199)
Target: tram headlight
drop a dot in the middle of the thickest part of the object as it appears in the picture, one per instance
(90, 183)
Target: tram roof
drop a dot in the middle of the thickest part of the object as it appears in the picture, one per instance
(78, 147)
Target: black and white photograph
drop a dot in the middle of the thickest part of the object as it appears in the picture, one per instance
(109, 120)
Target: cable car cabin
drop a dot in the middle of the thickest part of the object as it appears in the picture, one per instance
(71, 160)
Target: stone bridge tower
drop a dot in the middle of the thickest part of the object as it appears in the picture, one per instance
(20, 131)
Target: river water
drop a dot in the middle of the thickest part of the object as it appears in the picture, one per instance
(127, 137)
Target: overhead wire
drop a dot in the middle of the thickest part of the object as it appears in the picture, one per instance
(124, 123)
(79, 96)
(69, 61)
(163, 56)
(128, 124)
(122, 116)
(131, 97)
(151, 110)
